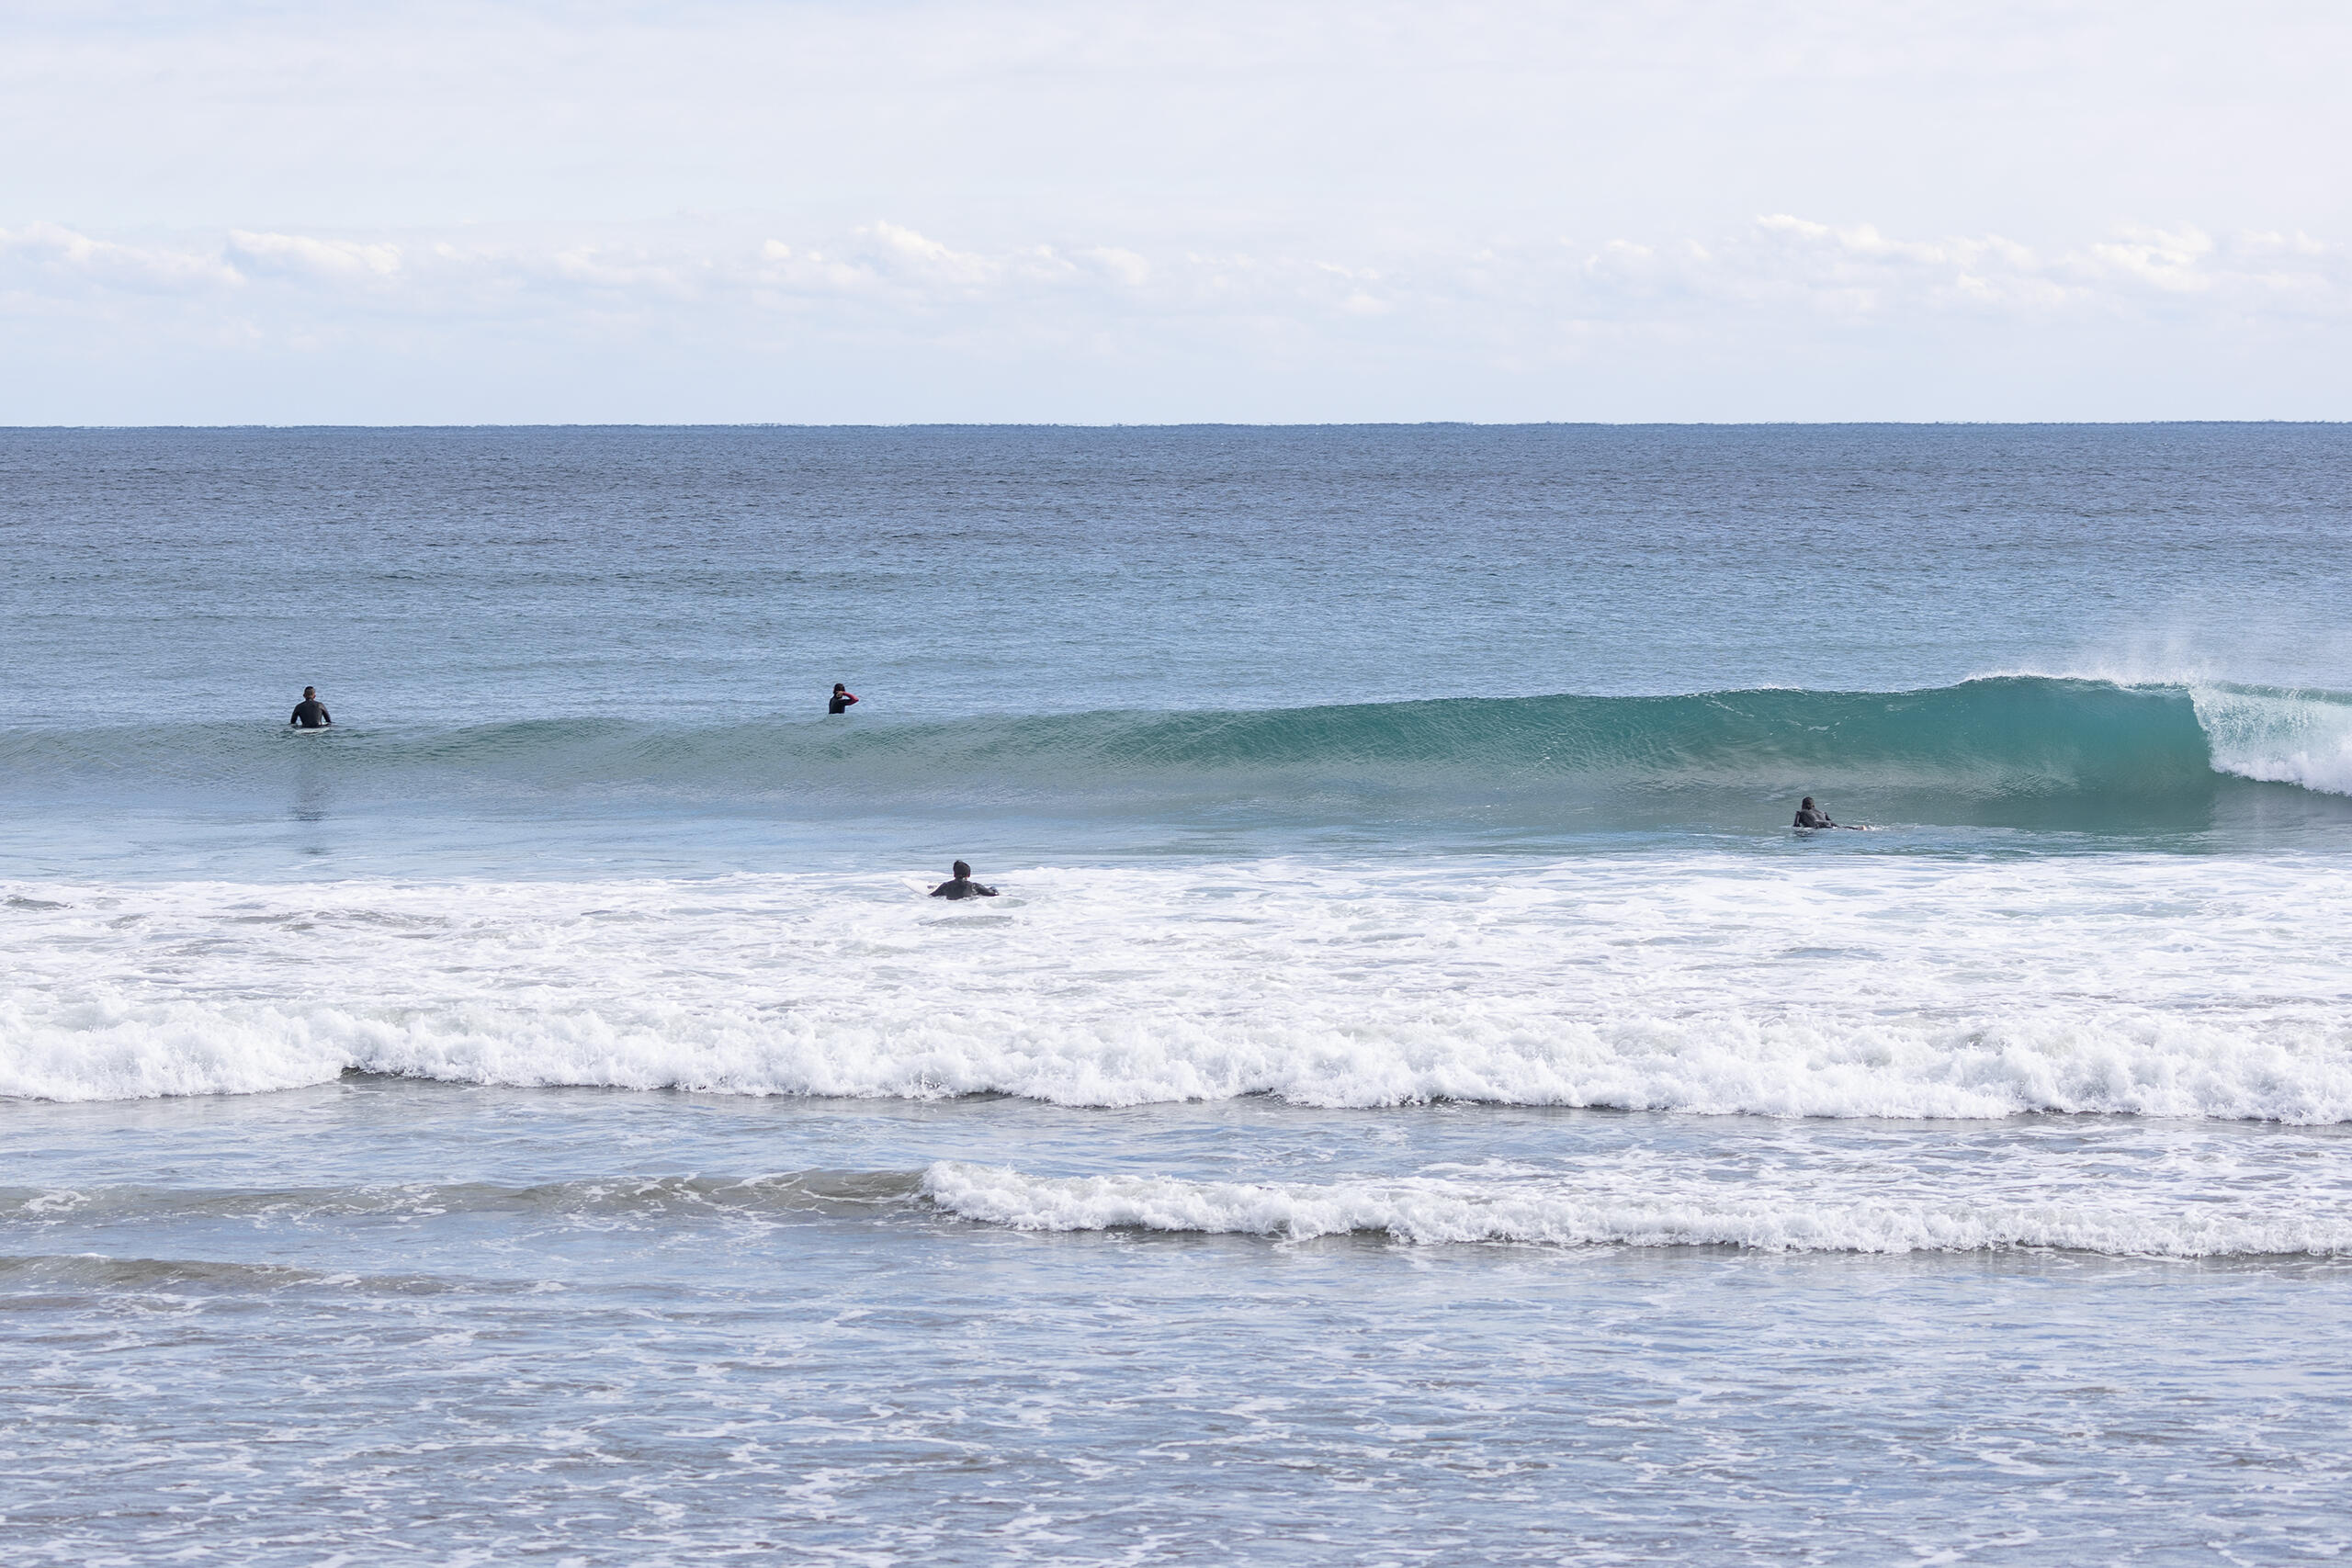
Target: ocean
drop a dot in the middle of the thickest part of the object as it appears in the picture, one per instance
(1414, 1100)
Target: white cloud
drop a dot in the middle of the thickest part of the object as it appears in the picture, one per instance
(901, 252)
(1123, 265)
(2171, 262)
(1859, 272)
(44, 257)
(304, 255)
(1780, 267)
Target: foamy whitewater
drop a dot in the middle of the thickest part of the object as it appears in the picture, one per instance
(1709, 984)
(1414, 1098)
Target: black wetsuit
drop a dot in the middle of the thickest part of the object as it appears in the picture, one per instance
(841, 702)
(1808, 818)
(962, 887)
(312, 714)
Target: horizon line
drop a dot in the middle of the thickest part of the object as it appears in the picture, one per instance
(1198, 424)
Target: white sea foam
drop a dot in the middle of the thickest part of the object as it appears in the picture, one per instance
(2279, 738)
(1833, 985)
(1568, 1212)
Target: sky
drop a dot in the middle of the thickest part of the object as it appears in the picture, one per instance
(917, 210)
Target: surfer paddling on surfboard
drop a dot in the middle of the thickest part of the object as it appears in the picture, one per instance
(311, 712)
(1809, 817)
(962, 886)
(843, 697)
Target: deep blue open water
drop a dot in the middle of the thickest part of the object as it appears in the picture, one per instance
(1415, 1099)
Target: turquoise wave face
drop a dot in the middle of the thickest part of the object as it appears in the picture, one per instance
(2008, 751)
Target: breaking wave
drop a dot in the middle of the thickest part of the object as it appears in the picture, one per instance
(1784, 984)
(1599, 1203)
(2003, 748)
(1560, 1213)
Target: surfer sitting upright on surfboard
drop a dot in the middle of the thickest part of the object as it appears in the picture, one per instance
(962, 886)
(311, 712)
(842, 699)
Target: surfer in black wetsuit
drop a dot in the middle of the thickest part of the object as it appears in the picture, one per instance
(311, 712)
(962, 886)
(842, 699)
(1808, 816)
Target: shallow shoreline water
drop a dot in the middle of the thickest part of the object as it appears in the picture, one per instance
(588, 1355)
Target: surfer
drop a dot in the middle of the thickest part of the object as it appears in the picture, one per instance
(311, 712)
(842, 699)
(962, 886)
(1808, 817)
